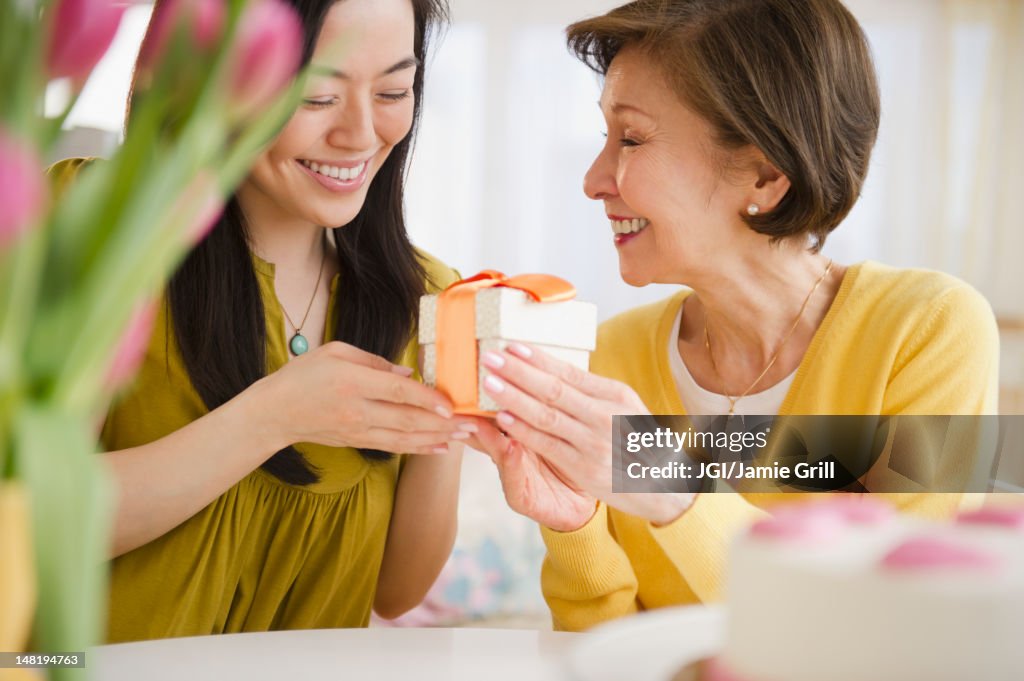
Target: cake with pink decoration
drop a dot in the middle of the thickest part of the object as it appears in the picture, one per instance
(847, 590)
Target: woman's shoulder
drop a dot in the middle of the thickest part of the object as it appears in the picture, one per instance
(439, 275)
(920, 294)
(917, 317)
(907, 282)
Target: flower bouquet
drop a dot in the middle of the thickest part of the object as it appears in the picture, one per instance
(81, 266)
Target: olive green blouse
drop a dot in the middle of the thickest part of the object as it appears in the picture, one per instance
(265, 554)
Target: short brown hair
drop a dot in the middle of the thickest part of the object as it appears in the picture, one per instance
(793, 78)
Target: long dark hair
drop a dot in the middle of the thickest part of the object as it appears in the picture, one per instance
(214, 297)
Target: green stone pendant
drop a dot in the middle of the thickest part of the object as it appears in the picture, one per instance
(298, 344)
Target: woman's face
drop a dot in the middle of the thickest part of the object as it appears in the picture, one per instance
(319, 168)
(657, 172)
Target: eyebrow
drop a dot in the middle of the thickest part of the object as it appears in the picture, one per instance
(620, 107)
(407, 63)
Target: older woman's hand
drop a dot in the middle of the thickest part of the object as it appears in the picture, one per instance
(563, 415)
(532, 486)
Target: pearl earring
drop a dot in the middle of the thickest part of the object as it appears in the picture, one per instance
(753, 209)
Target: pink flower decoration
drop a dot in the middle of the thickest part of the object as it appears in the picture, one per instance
(133, 344)
(22, 188)
(267, 51)
(80, 33)
(716, 670)
(203, 21)
(925, 553)
(822, 520)
(805, 526)
(1010, 518)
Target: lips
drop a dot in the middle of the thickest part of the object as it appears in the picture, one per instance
(628, 225)
(627, 228)
(338, 171)
(351, 179)
(622, 239)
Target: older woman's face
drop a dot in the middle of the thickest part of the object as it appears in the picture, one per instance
(669, 205)
(319, 168)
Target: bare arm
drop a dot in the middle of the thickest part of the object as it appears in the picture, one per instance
(163, 483)
(336, 395)
(422, 531)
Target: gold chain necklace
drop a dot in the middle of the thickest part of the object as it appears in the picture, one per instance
(775, 356)
(298, 343)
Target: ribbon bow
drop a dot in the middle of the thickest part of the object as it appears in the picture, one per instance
(456, 329)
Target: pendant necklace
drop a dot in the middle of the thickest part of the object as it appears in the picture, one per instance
(298, 344)
(778, 350)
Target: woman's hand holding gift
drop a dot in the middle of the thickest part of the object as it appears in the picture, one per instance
(341, 396)
(533, 486)
(558, 419)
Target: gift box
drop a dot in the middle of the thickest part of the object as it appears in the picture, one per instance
(489, 311)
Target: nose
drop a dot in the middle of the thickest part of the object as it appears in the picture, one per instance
(599, 182)
(353, 128)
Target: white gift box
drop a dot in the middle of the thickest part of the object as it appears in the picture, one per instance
(566, 330)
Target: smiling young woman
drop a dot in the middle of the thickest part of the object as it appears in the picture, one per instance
(253, 456)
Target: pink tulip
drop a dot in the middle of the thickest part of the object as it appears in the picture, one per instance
(80, 33)
(266, 53)
(22, 188)
(132, 347)
(202, 20)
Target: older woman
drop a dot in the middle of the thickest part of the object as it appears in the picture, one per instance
(739, 136)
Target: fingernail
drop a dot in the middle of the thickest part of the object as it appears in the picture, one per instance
(468, 428)
(492, 360)
(401, 371)
(504, 418)
(443, 412)
(440, 450)
(460, 435)
(494, 384)
(520, 350)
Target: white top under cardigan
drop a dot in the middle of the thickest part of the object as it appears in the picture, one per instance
(699, 401)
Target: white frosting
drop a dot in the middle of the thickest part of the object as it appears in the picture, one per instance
(828, 608)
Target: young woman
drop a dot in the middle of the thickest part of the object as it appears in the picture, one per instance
(739, 135)
(255, 491)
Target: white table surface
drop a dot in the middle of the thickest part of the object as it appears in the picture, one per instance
(382, 654)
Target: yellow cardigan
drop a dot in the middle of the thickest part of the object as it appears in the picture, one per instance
(893, 342)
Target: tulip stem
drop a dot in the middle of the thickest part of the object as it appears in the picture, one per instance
(19, 300)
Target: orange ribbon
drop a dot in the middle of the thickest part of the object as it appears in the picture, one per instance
(456, 341)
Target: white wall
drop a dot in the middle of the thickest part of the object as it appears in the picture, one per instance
(511, 124)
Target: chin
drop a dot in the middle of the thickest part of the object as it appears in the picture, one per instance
(333, 218)
(634, 279)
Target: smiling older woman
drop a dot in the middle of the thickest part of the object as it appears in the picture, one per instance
(739, 137)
